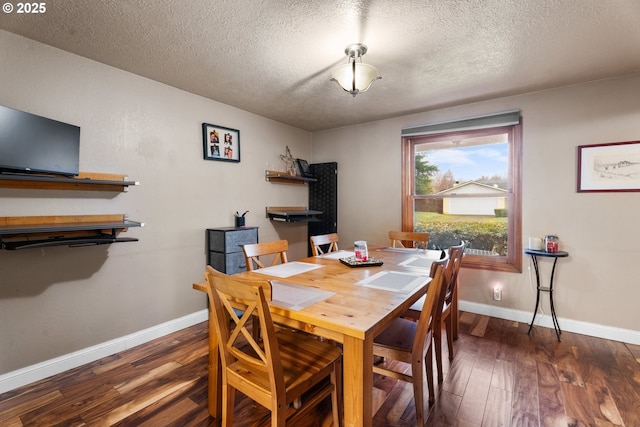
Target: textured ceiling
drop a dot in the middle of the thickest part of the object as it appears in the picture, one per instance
(274, 57)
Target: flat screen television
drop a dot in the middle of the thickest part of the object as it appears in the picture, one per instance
(35, 144)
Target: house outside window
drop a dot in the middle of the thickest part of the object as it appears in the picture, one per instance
(465, 185)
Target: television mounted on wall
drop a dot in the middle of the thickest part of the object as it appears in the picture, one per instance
(39, 145)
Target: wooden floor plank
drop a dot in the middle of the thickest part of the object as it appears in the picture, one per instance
(140, 402)
(479, 326)
(459, 373)
(603, 405)
(497, 412)
(475, 396)
(20, 404)
(63, 409)
(551, 400)
(635, 351)
(503, 376)
(576, 405)
(445, 409)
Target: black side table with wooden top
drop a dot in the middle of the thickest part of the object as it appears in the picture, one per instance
(534, 257)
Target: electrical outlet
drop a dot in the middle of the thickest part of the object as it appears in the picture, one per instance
(497, 294)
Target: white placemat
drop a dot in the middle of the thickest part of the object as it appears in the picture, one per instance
(288, 269)
(420, 262)
(390, 249)
(296, 297)
(395, 281)
(425, 253)
(337, 254)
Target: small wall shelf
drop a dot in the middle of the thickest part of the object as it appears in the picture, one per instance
(292, 214)
(86, 181)
(75, 230)
(285, 178)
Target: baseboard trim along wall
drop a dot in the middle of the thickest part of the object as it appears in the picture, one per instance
(29, 374)
(585, 328)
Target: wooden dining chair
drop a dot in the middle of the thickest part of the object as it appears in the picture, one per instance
(411, 342)
(413, 313)
(323, 240)
(418, 240)
(253, 251)
(446, 310)
(275, 371)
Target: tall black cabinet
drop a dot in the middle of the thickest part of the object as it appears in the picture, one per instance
(323, 196)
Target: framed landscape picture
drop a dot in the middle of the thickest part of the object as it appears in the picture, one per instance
(609, 167)
(221, 143)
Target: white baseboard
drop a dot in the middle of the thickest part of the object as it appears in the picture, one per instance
(585, 328)
(29, 374)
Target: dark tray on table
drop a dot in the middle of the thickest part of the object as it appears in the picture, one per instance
(353, 262)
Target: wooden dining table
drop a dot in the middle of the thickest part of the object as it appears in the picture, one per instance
(355, 306)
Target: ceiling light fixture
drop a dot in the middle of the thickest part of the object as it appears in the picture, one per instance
(355, 77)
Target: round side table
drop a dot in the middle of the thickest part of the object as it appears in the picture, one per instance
(534, 257)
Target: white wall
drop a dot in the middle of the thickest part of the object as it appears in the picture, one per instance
(598, 283)
(58, 300)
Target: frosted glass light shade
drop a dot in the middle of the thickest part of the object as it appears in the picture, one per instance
(364, 74)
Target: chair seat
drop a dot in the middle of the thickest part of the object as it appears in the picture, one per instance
(399, 335)
(302, 357)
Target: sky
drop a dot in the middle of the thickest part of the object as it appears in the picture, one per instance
(470, 163)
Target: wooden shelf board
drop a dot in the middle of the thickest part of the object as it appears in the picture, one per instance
(86, 181)
(285, 178)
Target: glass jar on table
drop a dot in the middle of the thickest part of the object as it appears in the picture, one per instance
(361, 251)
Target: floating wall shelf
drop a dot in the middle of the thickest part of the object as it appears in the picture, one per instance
(285, 178)
(86, 181)
(74, 230)
(292, 214)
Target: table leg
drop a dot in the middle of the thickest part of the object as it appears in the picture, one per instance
(358, 382)
(215, 372)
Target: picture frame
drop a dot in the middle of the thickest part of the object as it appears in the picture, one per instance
(220, 143)
(304, 169)
(610, 167)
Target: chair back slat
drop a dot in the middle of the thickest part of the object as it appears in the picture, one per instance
(417, 240)
(253, 251)
(455, 259)
(322, 240)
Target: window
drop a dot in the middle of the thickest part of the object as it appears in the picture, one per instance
(465, 185)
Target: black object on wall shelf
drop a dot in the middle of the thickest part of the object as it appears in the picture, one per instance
(292, 214)
(76, 230)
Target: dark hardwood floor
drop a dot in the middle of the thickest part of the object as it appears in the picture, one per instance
(500, 376)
